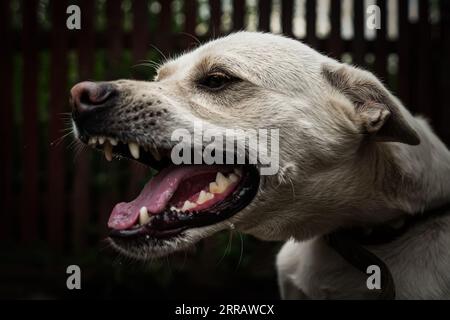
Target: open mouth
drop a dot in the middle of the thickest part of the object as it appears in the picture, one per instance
(179, 197)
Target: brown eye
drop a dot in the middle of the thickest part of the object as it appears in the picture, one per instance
(215, 81)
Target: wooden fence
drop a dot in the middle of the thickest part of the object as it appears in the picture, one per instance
(54, 195)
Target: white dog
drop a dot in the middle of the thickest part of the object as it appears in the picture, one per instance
(350, 156)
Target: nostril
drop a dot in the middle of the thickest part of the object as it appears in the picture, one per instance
(95, 96)
(88, 96)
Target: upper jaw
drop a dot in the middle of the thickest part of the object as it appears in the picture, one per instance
(144, 152)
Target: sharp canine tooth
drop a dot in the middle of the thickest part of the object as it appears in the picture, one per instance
(213, 187)
(143, 216)
(92, 140)
(101, 140)
(238, 172)
(221, 179)
(108, 151)
(204, 196)
(134, 149)
(222, 182)
(188, 205)
(113, 141)
(233, 177)
(220, 185)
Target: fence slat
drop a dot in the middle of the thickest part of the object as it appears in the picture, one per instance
(215, 20)
(30, 205)
(381, 47)
(287, 11)
(423, 85)
(403, 53)
(81, 184)
(238, 14)
(6, 116)
(358, 33)
(165, 27)
(114, 45)
(190, 22)
(265, 7)
(141, 31)
(58, 104)
(335, 41)
(311, 17)
(444, 67)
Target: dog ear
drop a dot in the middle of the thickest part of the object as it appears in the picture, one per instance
(377, 111)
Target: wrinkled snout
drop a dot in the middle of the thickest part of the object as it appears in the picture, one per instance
(125, 110)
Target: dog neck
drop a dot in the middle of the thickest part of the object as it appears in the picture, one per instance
(420, 185)
(415, 178)
(383, 182)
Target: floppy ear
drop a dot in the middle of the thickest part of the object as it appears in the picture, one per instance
(377, 111)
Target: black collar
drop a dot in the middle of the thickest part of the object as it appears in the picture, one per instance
(349, 244)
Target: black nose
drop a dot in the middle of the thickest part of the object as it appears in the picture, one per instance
(87, 97)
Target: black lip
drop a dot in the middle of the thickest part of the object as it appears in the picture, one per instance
(145, 157)
(121, 150)
(171, 223)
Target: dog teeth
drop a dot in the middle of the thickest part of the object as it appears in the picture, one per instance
(238, 172)
(204, 196)
(233, 177)
(92, 140)
(144, 218)
(222, 183)
(188, 205)
(113, 141)
(213, 187)
(222, 180)
(219, 186)
(134, 149)
(107, 149)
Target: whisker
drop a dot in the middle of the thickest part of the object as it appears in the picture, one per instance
(160, 52)
(150, 62)
(227, 248)
(79, 148)
(197, 40)
(58, 141)
(154, 67)
(242, 251)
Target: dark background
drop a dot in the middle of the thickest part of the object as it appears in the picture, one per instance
(56, 197)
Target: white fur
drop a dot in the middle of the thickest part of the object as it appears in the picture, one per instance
(334, 171)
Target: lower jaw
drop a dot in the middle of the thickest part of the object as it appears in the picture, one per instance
(169, 224)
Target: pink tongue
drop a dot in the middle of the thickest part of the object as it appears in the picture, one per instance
(155, 196)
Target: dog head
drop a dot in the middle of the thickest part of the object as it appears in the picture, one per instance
(328, 117)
